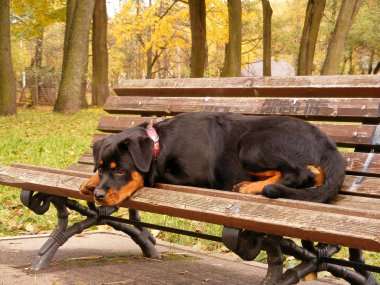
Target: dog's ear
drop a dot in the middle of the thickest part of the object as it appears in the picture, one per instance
(140, 146)
(141, 150)
(95, 153)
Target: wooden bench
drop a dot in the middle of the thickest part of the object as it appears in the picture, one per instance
(347, 108)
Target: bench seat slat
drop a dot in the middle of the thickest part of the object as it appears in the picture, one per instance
(87, 168)
(326, 108)
(300, 86)
(272, 216)
(344, 134)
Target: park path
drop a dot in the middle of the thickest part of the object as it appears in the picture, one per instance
(111, 258)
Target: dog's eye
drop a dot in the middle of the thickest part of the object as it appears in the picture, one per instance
(119, 170)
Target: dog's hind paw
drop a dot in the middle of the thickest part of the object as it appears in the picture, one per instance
(270, 191)
(237, 187)
(247, 187)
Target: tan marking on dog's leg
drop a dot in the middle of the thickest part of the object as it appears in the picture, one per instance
(257, 187)
(319, 174)
(264, 174)
(88, 187)
(114, 197)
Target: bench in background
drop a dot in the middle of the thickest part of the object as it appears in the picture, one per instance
(347, 108)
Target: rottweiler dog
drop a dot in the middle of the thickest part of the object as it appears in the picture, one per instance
(275, 156)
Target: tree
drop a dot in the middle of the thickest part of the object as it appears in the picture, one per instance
(198, 37)
(232, 60)
(267, 37)
(314, 13)
(347, 13)
(75, 56)
(7, 81)
(99, 85)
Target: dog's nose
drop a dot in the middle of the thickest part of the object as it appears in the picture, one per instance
(99, 194)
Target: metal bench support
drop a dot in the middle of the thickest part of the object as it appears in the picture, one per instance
(40, 204)
(314, 258)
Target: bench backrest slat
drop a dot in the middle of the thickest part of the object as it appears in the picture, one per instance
(300, 86)
(328, 109)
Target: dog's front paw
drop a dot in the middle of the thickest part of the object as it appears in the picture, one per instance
(85, 189)
(88, 187)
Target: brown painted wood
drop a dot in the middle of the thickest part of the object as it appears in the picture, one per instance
(317, 108)
(66, 171)
(313, 224)
(115, 124)
(357, 163)
(344, 134)
(361, 185)
(86, 168)
(86, 159)
(296, 86)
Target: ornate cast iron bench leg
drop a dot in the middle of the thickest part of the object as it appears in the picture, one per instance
(248, 244)
(40, 203)
(141, 236)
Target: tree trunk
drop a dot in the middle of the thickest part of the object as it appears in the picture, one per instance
(377, 68)
(346, 16)
(313, 18)
(198, 37)
(149, 52)
(350, 64)
(70, 9)
(83, 87)
(370, 61)
(232, 58)
(74, 58)
(267, 38)
(7, 80)
(36, 89)
(149, 63)
(99, 54)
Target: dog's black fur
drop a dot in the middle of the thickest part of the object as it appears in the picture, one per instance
(220, 150)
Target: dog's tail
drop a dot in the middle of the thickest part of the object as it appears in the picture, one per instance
(333, 167)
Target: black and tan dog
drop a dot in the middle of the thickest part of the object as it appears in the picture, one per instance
(275, 156)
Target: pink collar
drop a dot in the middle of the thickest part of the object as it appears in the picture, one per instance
(156, 141)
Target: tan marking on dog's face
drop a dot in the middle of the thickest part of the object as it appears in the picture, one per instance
(89, 186)
(101, 162)
(114, 197)
(113, 165)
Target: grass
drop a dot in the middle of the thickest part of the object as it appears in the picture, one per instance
(44, 138)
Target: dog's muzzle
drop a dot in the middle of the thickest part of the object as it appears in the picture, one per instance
(99, 194)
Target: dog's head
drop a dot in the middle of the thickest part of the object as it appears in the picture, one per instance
(121, 162)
